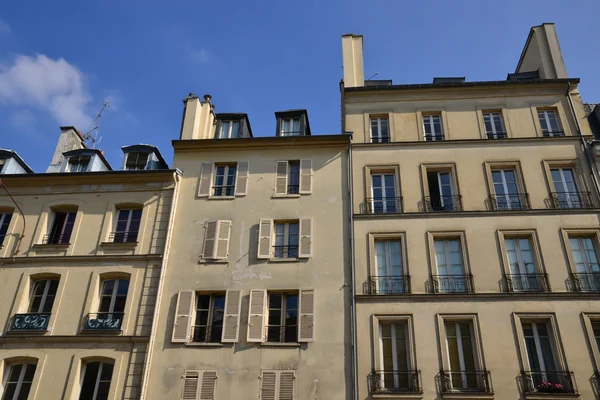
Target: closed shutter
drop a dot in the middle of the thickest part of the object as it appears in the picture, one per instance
(268, 385)
(210, 240)
(241, 182)
(306, 234)
(190, 385)
(183, 318)
(265, 233)
(223, 235)
(281, 176)
(306, 332)
(204, 184)
(306, 176)
(208, 385)
(231, 319)
(256, 315)
(286, 385)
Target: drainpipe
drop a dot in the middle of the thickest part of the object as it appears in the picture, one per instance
(352, 279)
(161, 281)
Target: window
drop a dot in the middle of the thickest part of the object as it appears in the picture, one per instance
(524, 274)
(136, 161)
(585, 258)
(42, 296)
(383, 193)
(18, 380)
(230, 179)
(277, 385)
(216, 240)
(199, 385)
(442, 195)
(461, 348)
(224, 180)
(293, 186)
(5, 218)
(79, 163)
(286, 239)
(293, 177)
(380, 130)
(494, 125)
(451, 277)
(229, 130)
(549, 123)
(95, 384)
(596, 331)
(394, 372)
(62, 227)
(506, 190)
(432, 126)
(208, 326)
(541, 352)
(128, 226)
(290, 126)
(566, 194)
(390, 276)
(113, 296)
(282, 325)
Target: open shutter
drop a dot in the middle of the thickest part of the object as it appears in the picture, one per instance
(231, 319)
(306, 333)
(306, 176)
(205, 179)
(268, 385)
(281, 176)
(190, 385)
(208, 385)
(256, 315)
(223, 235)
(286, 385)
(306, 234)
(265, 233)
(210, 240)
(183, 317)
(241, 181)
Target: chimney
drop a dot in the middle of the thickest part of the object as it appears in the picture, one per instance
(69, 139)
(352, 55)
(198, 118)
(542, 53)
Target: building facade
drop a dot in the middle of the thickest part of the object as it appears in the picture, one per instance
(476, 233)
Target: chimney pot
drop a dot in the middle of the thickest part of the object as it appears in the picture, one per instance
(207, 97)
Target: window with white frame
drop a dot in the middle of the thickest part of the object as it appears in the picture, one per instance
(432, 126)
(462, 355)
(290, 126)
(293, 183)
(442, 191)
(494, 125)
(224, 184)
(550, 123)
(136, 161)
(566, 192)
(394, 370)
(79, 163)
(5, 218)
(43, 295)
(596, 331)
(451, 277)
(383, 193)
(229, 130)
(524, 274)
(282, 319)
(541, 351)
(506, 190)
(390, 276)
(380, 132)
(128, 225)
(96, 378)
(585, 258)
(293, 177)
(286, 239)
(208, 325)
(113, 298)
(17, 381)
(61, 228)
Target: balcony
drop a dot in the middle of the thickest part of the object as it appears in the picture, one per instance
(30, 322)
(207, 333)
(452, 283)
(282, 334)
(433, 138)
(104, 321)
(506, 202)
(390, 382)
(466, 382)
(387, 205)
(549, 382)
(587, 282)
(497, 135)
(380, 139)
(567, 200)
(527, 283)
(443, 203)
(123, 237)
(382, 285)
(56, 239)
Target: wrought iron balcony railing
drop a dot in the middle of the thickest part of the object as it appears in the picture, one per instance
(387, 205)
(571, 200)
(466, 381)
(282, 334)
(452, 283)
(223, 190)
(293, 189)
(433, 138)
(503, 202)
(443, 203)
(123, 237)
(587, 282)
(497, 135)
(396, 381)
(30, 322)
(380, 139)
(287, 251)
(553, 133)
(56, 239)
(103, 321)
(534, 382)
(389, 284)
(527, 282)
(207, 333)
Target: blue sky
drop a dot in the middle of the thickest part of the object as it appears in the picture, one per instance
(60, 59)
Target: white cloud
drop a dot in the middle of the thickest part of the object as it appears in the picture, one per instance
(4, 28)
(200, 56)
(53, 85)
(22, 119)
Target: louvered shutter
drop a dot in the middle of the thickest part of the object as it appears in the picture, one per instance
(281, 176)
(306, 332)
(306, 233)
(204, 184)
(223, 235)
(208, 385)
(306, 176)
(241, 181)
(231, 319)
(265, 234)
(268, 385)
(256, 315)
(190, 385)
(286, 385)
(210, 240)
(183, 318)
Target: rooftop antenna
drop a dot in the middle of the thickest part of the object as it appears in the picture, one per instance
(374, 75)
(92, 134)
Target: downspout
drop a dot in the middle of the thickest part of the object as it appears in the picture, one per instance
(352, 279)
(22, 215)
(161, 282)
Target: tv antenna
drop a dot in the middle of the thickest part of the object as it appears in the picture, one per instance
(374, 75)
(92, 134)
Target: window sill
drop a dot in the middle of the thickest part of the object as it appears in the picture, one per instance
(398, 396)
(210, 261)
(286, 196)
(119, 244)
(284, 260)
(467, 395)
(28, 332)
(221, 197)
(198, 344)
(51, 246)
(278, 344)
(554, 396)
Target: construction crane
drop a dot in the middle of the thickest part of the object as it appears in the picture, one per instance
(91, 136)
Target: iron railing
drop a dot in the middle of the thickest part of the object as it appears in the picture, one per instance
(223, 190)
(385, 205)
(380, 139)
(571, 200)
(497, 135)
(396, 381)
(527, 282)
(30, 322)
(282, 334)
(123, 237)
(443, 203)
(587, 282)
(502, 202)
(207, 333)
(293, 189)
(103, 321)
(534, 382)
(554, 133)
(56, 238)
(452, 283)
(287, 251)
(466, 381)
(389, 284)
(431, 138)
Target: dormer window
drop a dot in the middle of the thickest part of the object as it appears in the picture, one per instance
(136, 161)
(292, 123)
(79, 163)
(290, 127)
(229, 130)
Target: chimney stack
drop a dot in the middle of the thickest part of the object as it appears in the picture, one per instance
(69, 139)
(198, 118)
(542, 53)
(352, 55)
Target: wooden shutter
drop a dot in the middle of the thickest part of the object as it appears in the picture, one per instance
(268, 385)
(306, 176)
(265, 234)
(306, 234)
(223, 235)
(205, 182)
(190, 385)
(210, 240)
(286, 385)
(241, 181)
(281, 177)
(208, 385)
(231, 319)
(306, 332)
(183, 317)
(256, 315)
